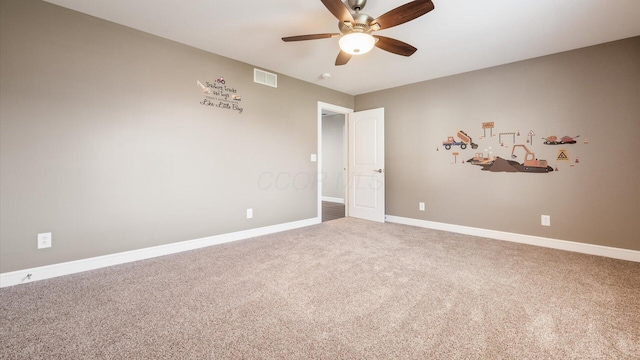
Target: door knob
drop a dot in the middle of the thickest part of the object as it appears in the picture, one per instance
(379, 171)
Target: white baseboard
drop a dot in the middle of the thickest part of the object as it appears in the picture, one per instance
(333, 199)
(72, 267)
(611, 252)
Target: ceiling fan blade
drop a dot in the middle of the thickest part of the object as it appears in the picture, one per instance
(404, 13)
(339, 10)
(309, 37)
(342, 58)
(394, 46)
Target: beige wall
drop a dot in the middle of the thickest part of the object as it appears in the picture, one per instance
(333, 155)
(104, 141)
(592, 92)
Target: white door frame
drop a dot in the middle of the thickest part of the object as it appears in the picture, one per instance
(340, 110)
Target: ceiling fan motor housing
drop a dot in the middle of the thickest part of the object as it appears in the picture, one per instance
(360, 24)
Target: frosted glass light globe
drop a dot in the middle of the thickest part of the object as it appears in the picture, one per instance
(357, 43)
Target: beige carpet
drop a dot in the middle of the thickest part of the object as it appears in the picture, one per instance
(344, 289)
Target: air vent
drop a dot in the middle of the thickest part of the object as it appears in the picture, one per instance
(265, 78)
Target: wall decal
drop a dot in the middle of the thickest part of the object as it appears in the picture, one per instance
(522, 158)
(485, 126)
(481, 160)
(451, 142)
(530, 136)
(205, 89)
(489, 151)
(455, 157)
(466, 138)
(464, 141)
(506, 134)
(530, 164)
(553, 140)
(218, 94)
(563, 155)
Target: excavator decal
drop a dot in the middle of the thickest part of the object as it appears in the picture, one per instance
(531, 164)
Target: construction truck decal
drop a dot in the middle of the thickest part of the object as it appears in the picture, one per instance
(464, 141)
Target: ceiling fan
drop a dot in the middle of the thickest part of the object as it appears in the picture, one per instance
(356, 29)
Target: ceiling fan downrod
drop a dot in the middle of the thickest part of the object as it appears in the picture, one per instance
(357, 5)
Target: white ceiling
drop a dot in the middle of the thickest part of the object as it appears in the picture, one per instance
(458, 36)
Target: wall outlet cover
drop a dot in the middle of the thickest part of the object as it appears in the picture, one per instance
(421, 206)
(44, 240)
(545, 220)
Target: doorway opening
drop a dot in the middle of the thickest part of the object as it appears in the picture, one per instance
(332, 161)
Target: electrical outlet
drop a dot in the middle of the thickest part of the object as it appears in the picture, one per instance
(545, 220)
(421, 206)
(44, 240)
(249, 213)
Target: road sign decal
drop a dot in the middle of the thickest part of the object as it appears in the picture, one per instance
(562, 155)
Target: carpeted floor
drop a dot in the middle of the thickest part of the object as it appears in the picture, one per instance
(344, 289)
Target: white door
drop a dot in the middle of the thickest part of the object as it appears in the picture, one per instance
(366, 165)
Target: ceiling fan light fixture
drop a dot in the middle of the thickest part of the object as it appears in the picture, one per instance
(357, 43)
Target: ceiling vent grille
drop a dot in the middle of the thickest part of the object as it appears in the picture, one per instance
(265, 78)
